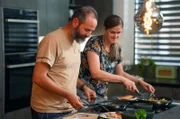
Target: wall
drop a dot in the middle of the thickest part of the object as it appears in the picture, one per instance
(52, 14)
(103, 8)
(125, 9)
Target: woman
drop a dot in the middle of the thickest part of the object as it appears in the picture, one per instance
(101, 61)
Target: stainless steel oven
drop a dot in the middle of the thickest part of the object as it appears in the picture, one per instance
(20, 47)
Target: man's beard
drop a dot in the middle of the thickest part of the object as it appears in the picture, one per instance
(77, 36)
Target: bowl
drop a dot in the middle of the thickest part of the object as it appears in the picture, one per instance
(130, 114)
(143, 105)
(110, 115)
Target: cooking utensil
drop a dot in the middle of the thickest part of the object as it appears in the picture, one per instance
(107, 106)
(152, 95)
(145, 95)
(107, 110)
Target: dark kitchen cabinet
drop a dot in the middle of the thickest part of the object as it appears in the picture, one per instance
(52, 15)
(115, 89)
(163, 91)
(176, 93)
(24, 4)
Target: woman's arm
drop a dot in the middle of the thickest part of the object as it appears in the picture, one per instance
(146, 86)
(98, 74)
(120, 71)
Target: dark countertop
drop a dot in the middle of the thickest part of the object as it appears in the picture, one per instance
(173, 113)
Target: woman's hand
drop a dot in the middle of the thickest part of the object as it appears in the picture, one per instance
(75, 101)
(130, 85)
(91, 95)
(147, 86)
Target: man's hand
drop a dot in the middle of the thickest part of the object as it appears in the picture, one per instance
(90, 94)
(75, 101)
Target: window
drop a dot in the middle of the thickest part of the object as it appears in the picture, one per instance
(164, 46)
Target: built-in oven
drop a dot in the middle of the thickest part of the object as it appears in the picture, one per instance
(20, 48)
(18, 76)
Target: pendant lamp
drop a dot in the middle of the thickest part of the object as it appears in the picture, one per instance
(148, 19)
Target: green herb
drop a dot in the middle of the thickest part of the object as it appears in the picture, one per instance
(141, 114)
(146, 66)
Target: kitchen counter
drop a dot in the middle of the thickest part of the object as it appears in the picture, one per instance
(173, 113)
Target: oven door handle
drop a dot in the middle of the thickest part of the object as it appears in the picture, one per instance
(21, 21)
(19, 65)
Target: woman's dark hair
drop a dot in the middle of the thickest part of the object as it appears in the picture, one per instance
(110, 22)
(82, 12)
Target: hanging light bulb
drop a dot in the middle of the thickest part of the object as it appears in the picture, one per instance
(148, 19)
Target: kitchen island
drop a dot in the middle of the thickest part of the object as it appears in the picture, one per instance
(172, 113)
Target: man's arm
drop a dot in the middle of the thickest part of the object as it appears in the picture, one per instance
(41, 79)
(91, 95)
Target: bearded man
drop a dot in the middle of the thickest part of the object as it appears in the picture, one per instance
(57, 67)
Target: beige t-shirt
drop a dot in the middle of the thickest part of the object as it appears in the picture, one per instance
(64, 60)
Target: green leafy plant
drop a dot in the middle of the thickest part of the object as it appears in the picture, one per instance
(140, 114)
(146, 64)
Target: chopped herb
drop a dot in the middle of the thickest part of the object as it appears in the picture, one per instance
(140, 114)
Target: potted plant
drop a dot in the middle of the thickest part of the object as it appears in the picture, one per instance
(146, 67)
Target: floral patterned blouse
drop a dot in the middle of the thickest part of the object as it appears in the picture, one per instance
(95, 44)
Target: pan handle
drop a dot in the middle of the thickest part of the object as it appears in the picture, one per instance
(104, 108)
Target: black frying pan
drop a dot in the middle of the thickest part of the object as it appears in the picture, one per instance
(114, 106)
(160, 104)
(107, 106)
